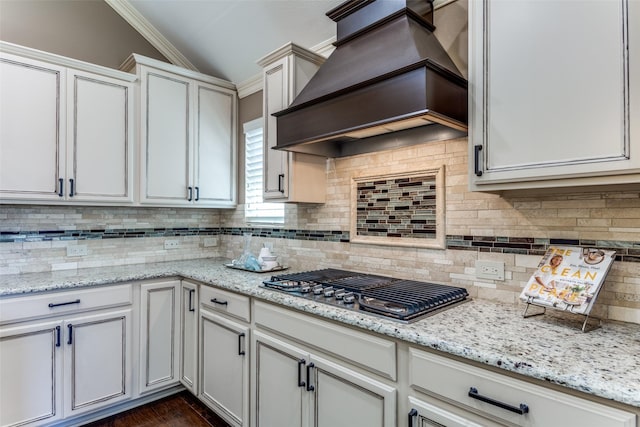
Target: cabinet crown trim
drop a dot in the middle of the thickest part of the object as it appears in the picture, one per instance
(136, 59)
(39, 55)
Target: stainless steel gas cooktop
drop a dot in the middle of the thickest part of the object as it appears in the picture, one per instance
(402, 300)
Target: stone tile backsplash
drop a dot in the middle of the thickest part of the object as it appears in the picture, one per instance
(510, 227)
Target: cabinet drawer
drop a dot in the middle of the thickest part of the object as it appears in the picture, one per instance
(54, 303)
(453, 380)
(226, 302)
(370, 352)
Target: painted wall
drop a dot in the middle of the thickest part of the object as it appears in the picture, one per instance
(88, 30)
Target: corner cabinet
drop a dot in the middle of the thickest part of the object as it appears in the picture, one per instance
(554, 94)
(66, 130)
(188, 134)
(289, 177)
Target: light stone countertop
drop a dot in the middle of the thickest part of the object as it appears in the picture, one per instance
(604, 362)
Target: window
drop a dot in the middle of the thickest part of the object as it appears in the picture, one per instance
(255, 210)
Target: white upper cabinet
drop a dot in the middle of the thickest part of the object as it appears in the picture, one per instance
(66, 130)
(554, 93)
(100, 138)
(289, 177)
(188, 150)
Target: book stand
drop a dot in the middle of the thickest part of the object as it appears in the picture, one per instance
(544, 310)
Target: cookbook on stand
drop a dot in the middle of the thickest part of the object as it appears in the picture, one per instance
(568, 278)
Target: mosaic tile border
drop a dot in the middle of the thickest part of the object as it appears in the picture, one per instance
(96, 234)
(625, 251)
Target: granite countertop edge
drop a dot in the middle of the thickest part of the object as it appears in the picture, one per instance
(545, 348)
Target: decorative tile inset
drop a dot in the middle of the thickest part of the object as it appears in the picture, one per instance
(404, 210)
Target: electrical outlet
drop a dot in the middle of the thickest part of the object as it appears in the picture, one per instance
(171, 244)
(77, 250)
(490, 270)
(210, 241)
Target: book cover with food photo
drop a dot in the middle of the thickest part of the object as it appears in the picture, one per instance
(568, 278)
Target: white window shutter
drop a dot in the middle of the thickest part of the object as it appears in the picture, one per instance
(255, 210)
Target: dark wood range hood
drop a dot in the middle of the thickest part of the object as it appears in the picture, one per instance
(389, 83)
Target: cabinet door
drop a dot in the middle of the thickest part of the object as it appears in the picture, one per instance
(166, 147)
(559, 111)
(348, 398)
(32, 128)
(424, 414)
(224, 367)
(159, 334)
(100, 138)
(31, 372)
(189, 336)
(97, 361)
(280, 396)
(215, 146)
(276, 98)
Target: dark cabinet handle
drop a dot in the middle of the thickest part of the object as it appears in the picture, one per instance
(301, 363)
(281, 183)
(412, 414)
(217, 301)
(71, 187)
(191, 292)
(476, 157)
(310, 387)
(57, 336)
(51, 305)
(70, 330)
(189, 194)
(522, 409)
(60, 187)
(241, 352)
(197, 193)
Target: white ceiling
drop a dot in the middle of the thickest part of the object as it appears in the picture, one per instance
(225, 38)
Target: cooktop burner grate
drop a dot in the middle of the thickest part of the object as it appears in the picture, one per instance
(404, 300)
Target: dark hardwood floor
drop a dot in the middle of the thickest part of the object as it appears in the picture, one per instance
(180, 410)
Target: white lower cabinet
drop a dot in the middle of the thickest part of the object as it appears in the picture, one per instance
(159, 335)
(189, 336)
(504, 399)
(321, 370)
(64, 367)
(279, 366)
(97, 361)
(32, 351)
(294, 387)
(224, 367)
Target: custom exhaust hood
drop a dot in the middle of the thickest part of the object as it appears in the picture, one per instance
(389, 83)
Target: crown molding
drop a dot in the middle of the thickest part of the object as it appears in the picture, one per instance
(325, 48)
(317, 54)
(150, 33)
(38, 55)
(250, 86)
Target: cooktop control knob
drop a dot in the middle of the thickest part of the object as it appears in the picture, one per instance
(305, 288)
(317, 290)
(339, 294)
(329, 291)
(349, 298)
